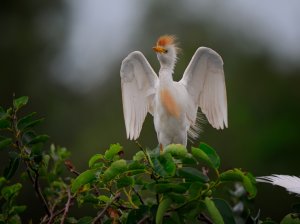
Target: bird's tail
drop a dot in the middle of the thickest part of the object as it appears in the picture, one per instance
(196, 128)
(290, 183)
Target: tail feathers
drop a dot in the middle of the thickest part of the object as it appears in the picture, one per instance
(195, 129)
(290, 183)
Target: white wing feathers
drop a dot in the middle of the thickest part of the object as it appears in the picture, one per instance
(290, 183)
(205, 82)
(138, 82)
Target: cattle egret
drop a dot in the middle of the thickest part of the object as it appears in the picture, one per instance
(174, 105)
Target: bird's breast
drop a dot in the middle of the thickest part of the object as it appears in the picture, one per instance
(169, 103)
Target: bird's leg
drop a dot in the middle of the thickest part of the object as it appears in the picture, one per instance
(161, 148)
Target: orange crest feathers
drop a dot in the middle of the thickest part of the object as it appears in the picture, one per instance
(166, 40)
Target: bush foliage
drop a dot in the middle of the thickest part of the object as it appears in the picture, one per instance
(175, 185)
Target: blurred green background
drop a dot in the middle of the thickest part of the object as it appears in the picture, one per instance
(66, 56)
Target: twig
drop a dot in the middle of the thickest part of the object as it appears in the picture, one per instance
(37, 188)
(143, 219)
(68, 163)
(71, 167)
(151, 166)
(139, 196)
(29, 168)
(204, 218)
(67, 206)
(116, 197)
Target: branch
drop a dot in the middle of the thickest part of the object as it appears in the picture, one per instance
(68, 163)
(139, 196)
(202, 217)
(116, 197)
(67, 206)
(71, 167)
(143, 219)
(37, 188)
(29, 168)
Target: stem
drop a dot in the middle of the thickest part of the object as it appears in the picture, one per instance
(39, 192)
(139, 196)
(143, 219)
(116, 197)
(129, 199)
(202, 217)
(152, 175)
(67, 206)
(29, 168)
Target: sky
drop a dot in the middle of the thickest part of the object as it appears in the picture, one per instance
(100, 30)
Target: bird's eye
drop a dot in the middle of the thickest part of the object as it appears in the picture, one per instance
(166, 51)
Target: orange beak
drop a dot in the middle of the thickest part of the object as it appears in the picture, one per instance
(159, 49)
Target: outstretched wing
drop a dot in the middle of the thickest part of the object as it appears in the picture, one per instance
(205, 82)
(138, 82)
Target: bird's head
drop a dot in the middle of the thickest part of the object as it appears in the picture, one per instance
(166, 49)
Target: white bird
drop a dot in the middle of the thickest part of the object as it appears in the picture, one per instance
(174, 105)
(290, 183)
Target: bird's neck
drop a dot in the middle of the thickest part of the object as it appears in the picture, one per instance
(166, 75)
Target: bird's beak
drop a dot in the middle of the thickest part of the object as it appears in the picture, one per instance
(159, 49)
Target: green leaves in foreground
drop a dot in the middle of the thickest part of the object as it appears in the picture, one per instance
(208, 155)
(84, 178)
(176, 185)
(20, 102)
(161, 187)
(236, 175)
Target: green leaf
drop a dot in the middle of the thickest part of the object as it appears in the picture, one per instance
(11, 169)
(176, 197)
(12, 191)
(86, 177)
(85, 220)
(164, 165)
(36, 154)
(4, 123)
(247, 179)
(135, 215)
(178, 151)
(125, 182)
(207, 154)
(291, 218)
(38, 139)
(192, 209)
(71, 220)
(20, 102)
(17, 209)
(4, 142)
(116, 168)
(225, 210)
(104, 198)
(2, 181)
(135, 165)
(112, 151)
(195, 189)
(232, 175)
(31, 124)
(168, 187)
(94, 159)
(28, 122)
(213, 211)
(161, 210)
(192, 174)
(268, 222)
(139, 156)
(2, 112)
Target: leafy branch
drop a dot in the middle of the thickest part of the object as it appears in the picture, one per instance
(174, 185)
